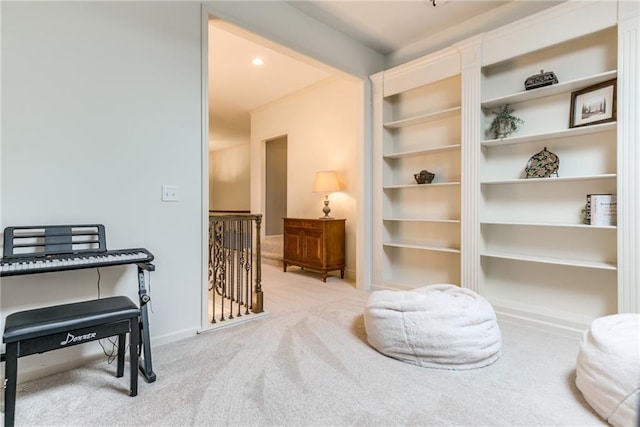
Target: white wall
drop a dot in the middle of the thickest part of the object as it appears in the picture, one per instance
(323, 124)
(101, 105)
(229, 178)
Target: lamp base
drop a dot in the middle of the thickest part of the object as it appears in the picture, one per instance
(326, 209)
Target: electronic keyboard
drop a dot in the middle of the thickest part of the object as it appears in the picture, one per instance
(72, 261)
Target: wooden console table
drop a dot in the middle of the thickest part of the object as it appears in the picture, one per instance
(316, 244)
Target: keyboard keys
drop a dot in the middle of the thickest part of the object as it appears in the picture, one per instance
(60, 262)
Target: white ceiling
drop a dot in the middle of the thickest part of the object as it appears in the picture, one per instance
(236, 86)
(387, 26)
(405, 29)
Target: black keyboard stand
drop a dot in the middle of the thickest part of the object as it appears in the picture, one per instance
(145, 363)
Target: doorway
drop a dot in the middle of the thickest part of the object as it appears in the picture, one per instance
(324, 130)
(275, 185)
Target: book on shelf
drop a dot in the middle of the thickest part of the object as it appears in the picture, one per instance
(602, 209)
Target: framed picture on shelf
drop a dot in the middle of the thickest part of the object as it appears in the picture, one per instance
(594, 104)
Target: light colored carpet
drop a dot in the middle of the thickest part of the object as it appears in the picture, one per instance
(308, 363)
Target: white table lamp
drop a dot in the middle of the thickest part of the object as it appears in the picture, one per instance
(326, 182)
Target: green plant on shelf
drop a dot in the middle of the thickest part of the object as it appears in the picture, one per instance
(505, 123)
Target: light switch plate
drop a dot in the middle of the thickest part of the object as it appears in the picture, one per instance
(170, 193)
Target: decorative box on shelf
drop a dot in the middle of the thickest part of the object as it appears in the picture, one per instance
(540, 80)
(601, 209)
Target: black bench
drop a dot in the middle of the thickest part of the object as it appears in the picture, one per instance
(55, 327)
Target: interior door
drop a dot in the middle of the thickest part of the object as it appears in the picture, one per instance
(275, 186)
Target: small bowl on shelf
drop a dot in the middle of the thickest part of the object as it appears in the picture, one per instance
(424, 177)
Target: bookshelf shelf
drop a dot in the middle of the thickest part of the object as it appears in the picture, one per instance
(550, 260)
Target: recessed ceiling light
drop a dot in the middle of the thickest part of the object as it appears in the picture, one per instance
(257, 61)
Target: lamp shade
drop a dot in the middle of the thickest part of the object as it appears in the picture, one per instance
(326, 182)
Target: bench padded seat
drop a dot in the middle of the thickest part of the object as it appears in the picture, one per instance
(39, 322)
(54, 327)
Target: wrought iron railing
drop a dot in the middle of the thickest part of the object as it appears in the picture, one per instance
(235, 266)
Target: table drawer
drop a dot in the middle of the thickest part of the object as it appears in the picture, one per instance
(304, 223)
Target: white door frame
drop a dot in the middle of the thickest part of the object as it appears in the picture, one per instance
(205, 324)
(364, 164)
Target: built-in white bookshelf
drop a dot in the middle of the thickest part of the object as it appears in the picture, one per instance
(419, 224)
(536, 254)
(521, 242)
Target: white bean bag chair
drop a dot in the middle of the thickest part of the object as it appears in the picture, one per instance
(437, 326)
(608, 368)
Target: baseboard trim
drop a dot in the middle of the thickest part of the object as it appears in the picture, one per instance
(233, 322)
(173, 337)
(29, 374)
(570, 330)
